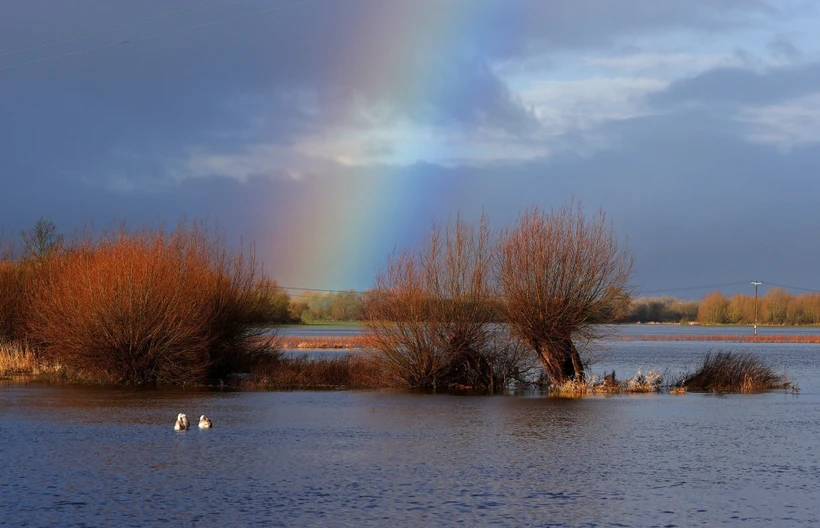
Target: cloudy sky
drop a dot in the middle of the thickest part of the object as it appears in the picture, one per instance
(331, 131)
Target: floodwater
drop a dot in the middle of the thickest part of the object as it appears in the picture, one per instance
(110, 457)
(626, 330)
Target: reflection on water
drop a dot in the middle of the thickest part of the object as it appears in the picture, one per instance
(103, 457)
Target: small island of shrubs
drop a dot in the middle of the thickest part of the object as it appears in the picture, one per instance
(471, 309)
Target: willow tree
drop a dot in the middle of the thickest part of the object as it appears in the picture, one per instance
(561, 274)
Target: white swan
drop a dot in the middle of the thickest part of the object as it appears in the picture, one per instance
(205, 422)
(182, 423)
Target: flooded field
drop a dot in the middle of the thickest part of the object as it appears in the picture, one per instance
(110, 457)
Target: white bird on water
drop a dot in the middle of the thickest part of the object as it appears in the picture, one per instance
(182, 423)
(205, 422)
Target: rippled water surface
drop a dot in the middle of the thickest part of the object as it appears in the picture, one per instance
(110, 457)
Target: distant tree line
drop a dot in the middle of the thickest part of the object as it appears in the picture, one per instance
(775, 307)
(313, 307)
(660, 310)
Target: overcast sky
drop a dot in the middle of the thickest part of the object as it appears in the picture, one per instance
(331, 131)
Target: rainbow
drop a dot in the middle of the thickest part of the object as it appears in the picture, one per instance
(334, 231)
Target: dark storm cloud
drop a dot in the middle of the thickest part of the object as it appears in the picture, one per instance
(96, 136)
(742, 86)
(700, 204)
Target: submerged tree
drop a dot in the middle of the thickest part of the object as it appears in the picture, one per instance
(561, 275)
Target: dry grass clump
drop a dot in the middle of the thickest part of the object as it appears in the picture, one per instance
(350, 371)
(334, 342)
(592, 384)
(18, 358)
(149, 307)
(733, 372)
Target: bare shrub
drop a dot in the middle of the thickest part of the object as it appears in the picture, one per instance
(561, 274)
(430, 316)
(733, 372)
(149, 307)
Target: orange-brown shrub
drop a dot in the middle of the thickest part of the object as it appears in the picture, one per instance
(149, 307)
(13, 278)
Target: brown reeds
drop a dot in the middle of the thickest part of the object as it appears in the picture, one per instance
(808, 339)
(16, 357)
(326, 342)
(733, 372)
(148, 307)
(278, 372)
(651, 382)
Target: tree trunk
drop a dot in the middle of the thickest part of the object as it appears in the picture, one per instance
(571, 367)
(561, 361)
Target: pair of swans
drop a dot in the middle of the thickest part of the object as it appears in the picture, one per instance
(183, 425)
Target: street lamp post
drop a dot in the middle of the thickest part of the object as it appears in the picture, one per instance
(756, 283)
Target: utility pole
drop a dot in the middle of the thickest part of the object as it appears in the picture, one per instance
(756, 283)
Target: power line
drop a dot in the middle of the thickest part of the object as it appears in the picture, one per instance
(791, 287)
(155, 35)
(195, 9)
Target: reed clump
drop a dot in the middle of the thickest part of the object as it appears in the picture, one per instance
(16, 357)
(733, 372)
(640, 383)
(351, 371)
(149, 307)
(335, 342)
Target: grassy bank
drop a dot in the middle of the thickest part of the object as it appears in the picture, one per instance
(324, 342)
(735, 338)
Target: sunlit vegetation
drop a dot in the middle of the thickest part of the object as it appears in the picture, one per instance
(17, 358)
(776, 307)
(549, 279)
(313, 307)
(429, 315)
(135, 306)
(733, 372)
(560, 275)
(325, 342)
(651, 382)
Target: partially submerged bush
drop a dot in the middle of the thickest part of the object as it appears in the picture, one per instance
(733, 372)
(149, 307)
(350, 371)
